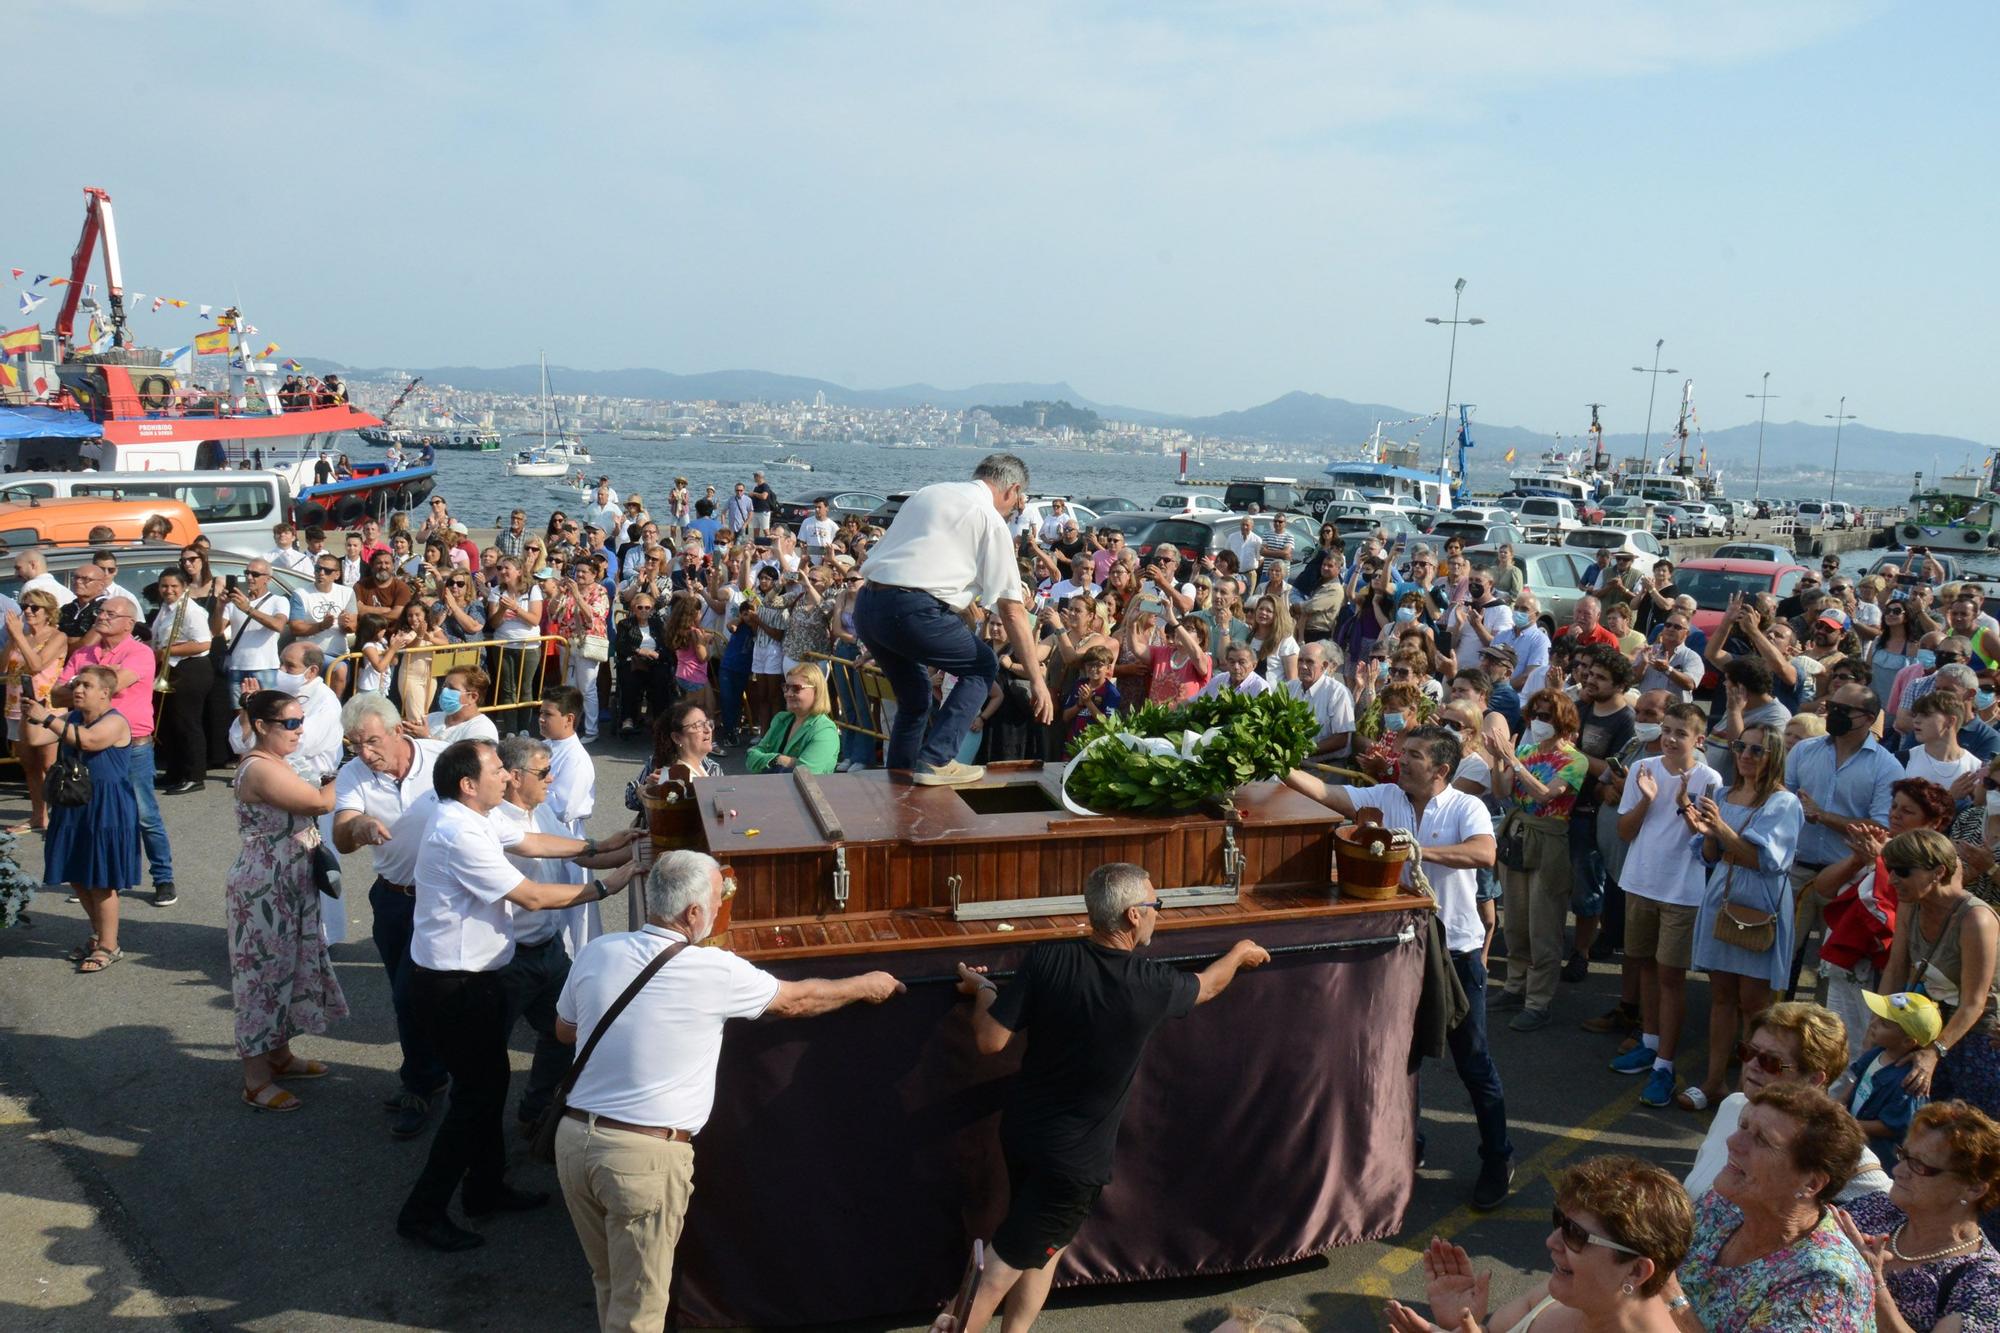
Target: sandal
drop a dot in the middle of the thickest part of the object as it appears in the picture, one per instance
(270, 1097)
(101, 958)
(83, 951)
(1691, 1098)
(299, 1068)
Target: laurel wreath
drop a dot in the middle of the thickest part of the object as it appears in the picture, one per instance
(1254, 739)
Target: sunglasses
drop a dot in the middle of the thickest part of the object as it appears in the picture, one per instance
(1924, 1169)
(1747, 747)
(290, 723)
(1576, 1238)
(1542, 716)
(1456, 728)
(1766, 1062)
(541, 772)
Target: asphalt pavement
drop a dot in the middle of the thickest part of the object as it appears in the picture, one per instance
(137, 1191)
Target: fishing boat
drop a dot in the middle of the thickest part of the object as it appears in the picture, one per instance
(789, 463)
(1960, 513)
(110, 404)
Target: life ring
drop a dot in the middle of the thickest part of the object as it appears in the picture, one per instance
(156, 398)
(1971, 537)
(1910, 533)
(349, 510)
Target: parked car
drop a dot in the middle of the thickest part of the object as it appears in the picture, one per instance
(1646, 551)
(235, 510)
(1623, 506)
(1755, 551)
(140, 564)
(839, 504)
(1479, 532)
(68, 519)
(1355, 527)
(1131, 522)
(1198, 534)
(1817, 514)
(1036, 510)
(1480, 514)
(1318, 499)
(1548, 518)
(1890, 567)
(885, 513)
(1269, 495)
(1711, 580)
(1199, 501)
(1112, 504)
(1553, 574)
(1706, 519)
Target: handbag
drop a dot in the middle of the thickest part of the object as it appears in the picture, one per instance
(1743, 927)
(1511, 847)
(326, 870)
(68, 780)
(543, 1146)
(594, 648)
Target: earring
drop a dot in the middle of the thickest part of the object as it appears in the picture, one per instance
(1629, 1289)
(1802, 1194)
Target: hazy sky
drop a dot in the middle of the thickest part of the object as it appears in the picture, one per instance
(1186, 207)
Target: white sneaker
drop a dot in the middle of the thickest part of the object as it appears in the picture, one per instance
(951, 774)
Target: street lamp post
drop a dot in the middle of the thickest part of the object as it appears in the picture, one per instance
(1839, 418)
(1653, 388)
(1444, 425)
(1757, 492)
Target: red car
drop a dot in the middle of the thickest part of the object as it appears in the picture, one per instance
(1712, 582)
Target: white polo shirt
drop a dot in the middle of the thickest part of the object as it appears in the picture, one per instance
(1253, 684)
(379, 796)
(1451, 816)
(464, 922)
(534, 927)
(1664, 862)
(949, 541)
(656, 1064)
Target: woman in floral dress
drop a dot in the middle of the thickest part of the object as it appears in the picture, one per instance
(280, 978)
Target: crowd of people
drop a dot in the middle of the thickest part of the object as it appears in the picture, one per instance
(1800, 806)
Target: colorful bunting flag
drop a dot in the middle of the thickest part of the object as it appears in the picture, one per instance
(211, 342)
(291, 364)
(17, 272)
(178, 305)
(90, 289)
(268, 349)
(29, 301)
(40, 278)
(8, 379)
(159, 301)
(1508, 457)
(58, 282)
(27, 338)
(203, 312)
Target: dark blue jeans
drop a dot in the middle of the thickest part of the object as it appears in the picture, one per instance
(152, 831)
(395, 915)
(854, 747)
(1475, 1063)
(908, 631)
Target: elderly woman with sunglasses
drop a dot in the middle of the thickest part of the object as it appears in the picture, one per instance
(1945, 946)
(1618, 1231)
(1539, 780)
(1769, 1254)
(1933, 1267)
(1748, 841)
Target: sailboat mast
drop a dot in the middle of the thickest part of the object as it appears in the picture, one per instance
(545, 398)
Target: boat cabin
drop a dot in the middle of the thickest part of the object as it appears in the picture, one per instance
(1422, 490)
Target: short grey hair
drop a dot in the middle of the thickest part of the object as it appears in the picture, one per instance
(1003, 470)
(1958, 676)
(1110, 890)
(678, 881)
(517, 751)
(364, 706)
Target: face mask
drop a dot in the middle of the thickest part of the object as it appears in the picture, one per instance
(1520, 620)
(1983, 700)
(1646, 731)
(1405, 614)
(1539, 731)
(1992, 803)
(290, 683)
(1838, 723)
(1926, 658)
(1393, 722)
(448, 701)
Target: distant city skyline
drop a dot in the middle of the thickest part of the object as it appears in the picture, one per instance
(1189, 208)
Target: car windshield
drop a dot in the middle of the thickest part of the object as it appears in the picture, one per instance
(1597, 541)
(1712, 588)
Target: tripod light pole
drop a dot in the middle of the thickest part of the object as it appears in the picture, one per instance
(1451, 364)
(1757, 491)
(1839, 418)
(1653, 387)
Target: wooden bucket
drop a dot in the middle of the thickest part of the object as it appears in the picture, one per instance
(673, 821)
(1368, 864)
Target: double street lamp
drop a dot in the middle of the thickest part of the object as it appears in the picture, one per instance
(1444, 425)
(1763, 398)
(1839, 418)
(1652, 389)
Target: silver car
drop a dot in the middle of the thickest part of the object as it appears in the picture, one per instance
(1551, 573)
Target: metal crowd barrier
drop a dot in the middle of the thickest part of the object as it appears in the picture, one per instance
(875, 689)
(472, 653)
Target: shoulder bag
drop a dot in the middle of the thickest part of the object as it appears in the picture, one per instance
(543, 1147)
(68, 779)
(1743, 927)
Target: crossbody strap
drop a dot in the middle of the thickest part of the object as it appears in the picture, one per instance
(630, 993)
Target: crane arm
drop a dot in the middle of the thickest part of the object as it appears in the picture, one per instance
(407, 390)
(97, 221)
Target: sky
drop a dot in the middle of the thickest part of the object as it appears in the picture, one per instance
(1184, 207)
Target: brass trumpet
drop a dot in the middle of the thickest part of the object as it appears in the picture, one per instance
(161, 682)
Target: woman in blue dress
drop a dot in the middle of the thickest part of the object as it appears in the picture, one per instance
(1748, 842)
(94, 848)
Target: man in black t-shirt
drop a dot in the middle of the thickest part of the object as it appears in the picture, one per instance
(762, 501)
(1602, 674)
(1087, 1008)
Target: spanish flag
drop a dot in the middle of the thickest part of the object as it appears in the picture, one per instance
(211, 342)
(27, 338)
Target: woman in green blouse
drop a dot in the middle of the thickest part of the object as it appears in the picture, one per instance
(804, 734)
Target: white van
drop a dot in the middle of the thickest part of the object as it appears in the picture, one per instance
(236, 510)
(1548, 518)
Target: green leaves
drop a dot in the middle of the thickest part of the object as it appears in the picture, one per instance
(1259, 738)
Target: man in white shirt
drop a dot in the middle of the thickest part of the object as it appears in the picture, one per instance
(389, 775)
(1456, 833)
(1530, 642)
(1238, 674)
(1477, 621)
(604, 510)
(286, 555)
(249, 619)
(33, 571)
(947, 545)
(1059, 518)
(1247, 545)
(625, 1152)
(1663, 879)
(818, 532)
(1670, 664)
(1331, 702)
(323, 614)
(461, 939)
(572, 795)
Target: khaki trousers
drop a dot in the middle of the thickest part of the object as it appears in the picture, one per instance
(627, 1195)
(1535, 907)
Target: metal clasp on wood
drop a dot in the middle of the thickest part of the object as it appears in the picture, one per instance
(841, 879)
(1232, 860)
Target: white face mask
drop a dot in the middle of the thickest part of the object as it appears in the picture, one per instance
(1993, 803)
(290, 683)
(1646, 731)
(1540, 730)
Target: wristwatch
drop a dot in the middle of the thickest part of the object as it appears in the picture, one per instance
(1942, 1048)
(602, 892)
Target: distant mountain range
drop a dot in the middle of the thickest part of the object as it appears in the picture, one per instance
(1296, 418)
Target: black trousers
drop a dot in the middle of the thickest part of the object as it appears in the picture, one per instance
(183, 724)
(218, 710)
(466, 1014)
(534, 980)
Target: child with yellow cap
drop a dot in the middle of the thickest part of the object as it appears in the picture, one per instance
(1872, 1087)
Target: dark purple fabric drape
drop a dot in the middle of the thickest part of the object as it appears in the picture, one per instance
(852, 1158)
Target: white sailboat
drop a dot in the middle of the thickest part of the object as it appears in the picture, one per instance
(543, 460)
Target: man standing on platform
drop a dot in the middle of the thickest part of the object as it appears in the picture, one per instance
(625, 1154)
(947, 545)
(1087, 1007)
(1456, 833)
